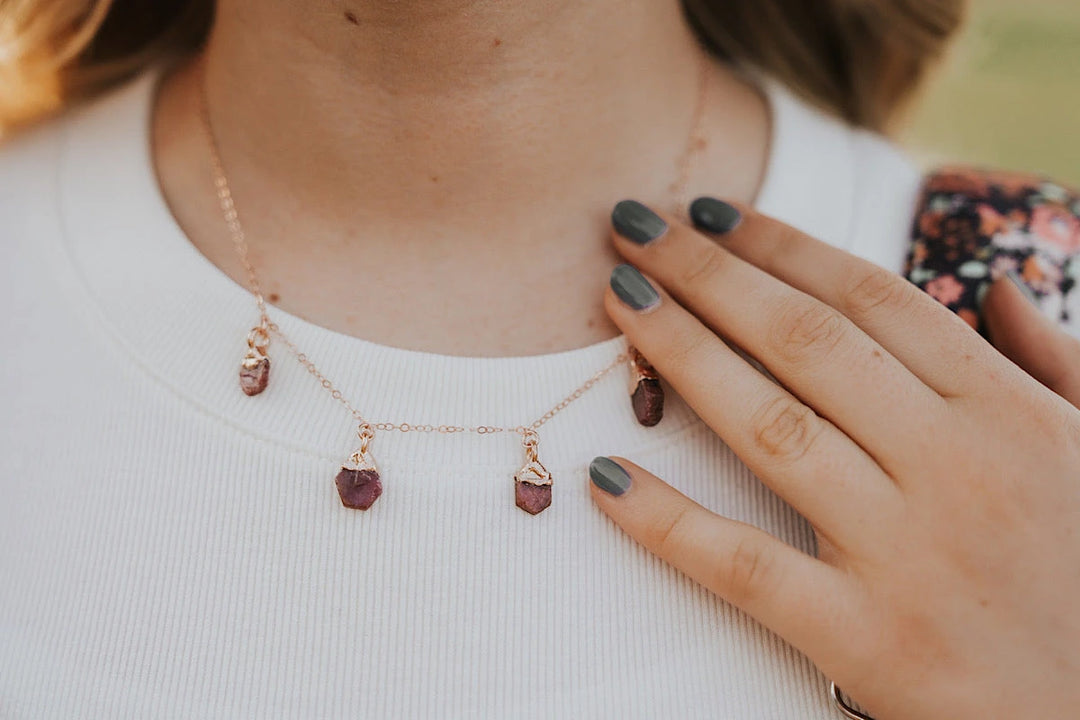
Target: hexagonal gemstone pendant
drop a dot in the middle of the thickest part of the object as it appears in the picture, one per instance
(359, 485)
(532, 483)
(532, 488)
(359, 489)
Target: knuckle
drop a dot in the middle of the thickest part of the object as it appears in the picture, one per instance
(686, 351)
(806, 329)
(785, 429)
(746, 572)
(666, 533)
(704, 266)
(876, 290)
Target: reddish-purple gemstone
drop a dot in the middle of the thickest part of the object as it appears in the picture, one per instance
(648, 401)
(358, 488)
(531, 498)
(254, 374)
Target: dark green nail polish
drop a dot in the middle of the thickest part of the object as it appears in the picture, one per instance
(632, 287)
(1022, 286)
(715, 216)
(609, 476)
(636, 222)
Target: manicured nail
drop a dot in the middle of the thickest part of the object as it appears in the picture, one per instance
(1018, 281)
(636, 222)
(632, 287)
(715, 216)
(609, 476)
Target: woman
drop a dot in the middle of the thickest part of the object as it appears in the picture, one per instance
(426, 198)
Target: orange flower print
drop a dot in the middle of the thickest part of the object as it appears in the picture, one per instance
(972, 226)
(991, 222)
(946, 289)
(1032, 272)
(1056, 225)
(930, 224)
(919, 253)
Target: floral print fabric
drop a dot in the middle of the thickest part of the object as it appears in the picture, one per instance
(972, 226)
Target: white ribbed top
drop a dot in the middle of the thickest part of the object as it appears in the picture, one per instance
(170, 547)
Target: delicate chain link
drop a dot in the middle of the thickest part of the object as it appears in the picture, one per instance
(695, 142)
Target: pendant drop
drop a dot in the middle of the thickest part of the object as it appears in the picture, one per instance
(646, 394)
(358, 482)
(532, 483)
(255, 367)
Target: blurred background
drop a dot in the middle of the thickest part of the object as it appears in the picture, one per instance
(1009, 94)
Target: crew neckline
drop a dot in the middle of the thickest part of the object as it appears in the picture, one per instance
(185, 321)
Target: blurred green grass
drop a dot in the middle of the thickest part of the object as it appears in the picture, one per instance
(1008, 96)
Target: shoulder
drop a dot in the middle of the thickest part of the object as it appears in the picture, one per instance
(973, 225)
(28, 174)
(64, 159)
(848, 186)
(886, 190)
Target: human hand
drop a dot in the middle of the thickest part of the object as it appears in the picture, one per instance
(1030, 339)
(942, 481)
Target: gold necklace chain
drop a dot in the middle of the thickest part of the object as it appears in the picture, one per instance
(259, 336)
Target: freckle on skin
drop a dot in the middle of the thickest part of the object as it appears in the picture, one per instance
(351, 17)
(273, 297)
(496, 43)
(434, 178)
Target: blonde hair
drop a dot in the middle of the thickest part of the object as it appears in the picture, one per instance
(861, 59)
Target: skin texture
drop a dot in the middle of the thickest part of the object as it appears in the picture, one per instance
(1032, 341)
(386, 156)
(943, 481)
(421, 173)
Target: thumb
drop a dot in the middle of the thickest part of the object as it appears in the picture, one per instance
(1020, 331)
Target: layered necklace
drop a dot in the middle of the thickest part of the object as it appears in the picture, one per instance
(358, 482)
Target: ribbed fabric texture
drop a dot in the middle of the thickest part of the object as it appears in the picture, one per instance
(172, 548)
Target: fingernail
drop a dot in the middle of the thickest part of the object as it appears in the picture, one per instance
(609, 476)
(636, 222)
(632, 287)
(1022, 286)
(715, 216)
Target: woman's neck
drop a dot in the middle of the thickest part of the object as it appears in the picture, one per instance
(463, 153)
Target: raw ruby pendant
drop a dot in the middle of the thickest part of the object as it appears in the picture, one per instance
(254, 373)
(646, 394)
(359, 489)
(648, 401)
(532, 483)
(360, 486)
(255, 368)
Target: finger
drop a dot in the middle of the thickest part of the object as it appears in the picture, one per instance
(797, 596)
(1027, 337)
(811, 348)
(820, 471)
(931, 341)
